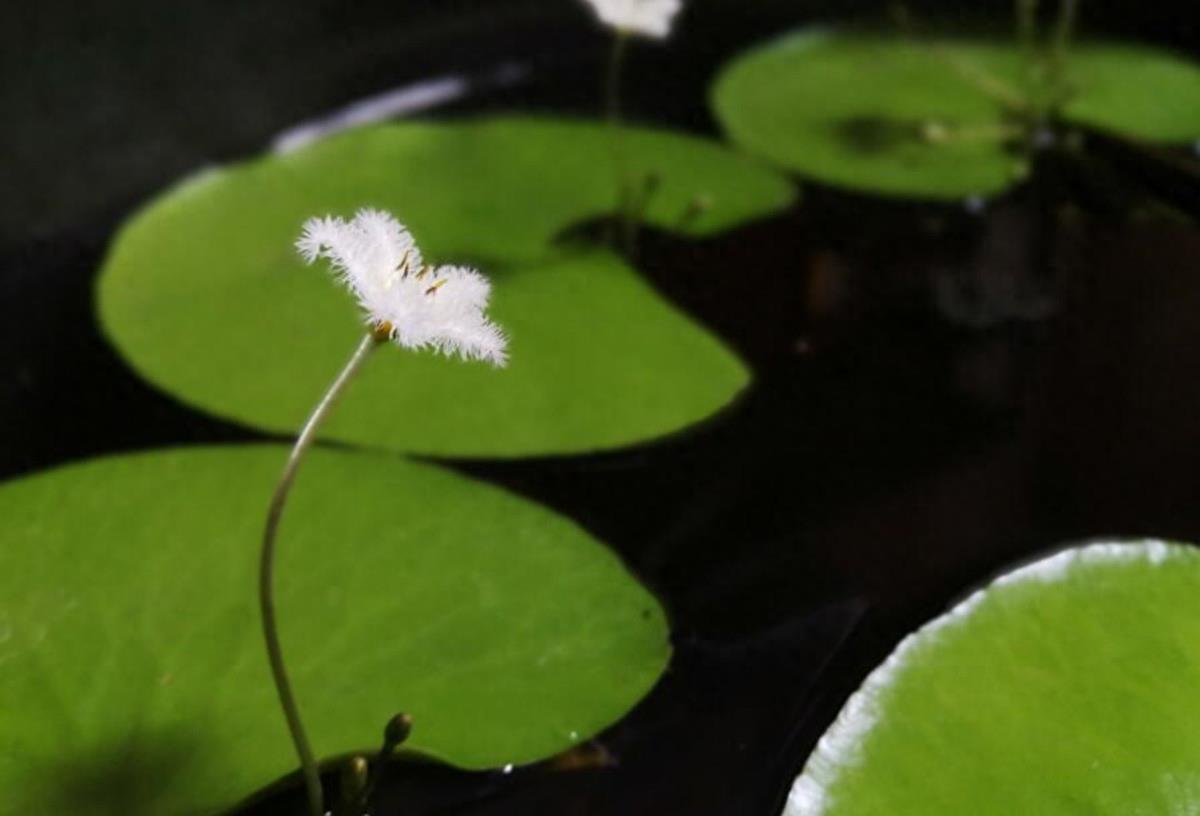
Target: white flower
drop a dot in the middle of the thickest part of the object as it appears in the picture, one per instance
(416, 305)
(649, 17)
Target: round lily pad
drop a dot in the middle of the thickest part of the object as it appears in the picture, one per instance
(896, 116)
(1065, 687)
(205, 296)
(857, 110)
(134, 677)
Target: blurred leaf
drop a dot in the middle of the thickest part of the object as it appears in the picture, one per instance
(1065, 687)
(849, 109)
(895, 116)
(134, 680)
(1135, 90)
(206, 297)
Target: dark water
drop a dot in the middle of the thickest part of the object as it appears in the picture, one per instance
(919, 417)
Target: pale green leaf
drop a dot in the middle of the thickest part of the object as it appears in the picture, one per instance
(1065, 687)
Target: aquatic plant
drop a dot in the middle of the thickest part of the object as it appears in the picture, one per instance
(601, 360)
(533, 636)
(504, 629)
(406, 301)
(936, 117)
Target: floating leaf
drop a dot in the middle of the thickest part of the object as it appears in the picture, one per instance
(206, 297)
(1065, 687)
(596, 359)
(133, 675)
(931, 119)
(855, 110)
(1141, 92)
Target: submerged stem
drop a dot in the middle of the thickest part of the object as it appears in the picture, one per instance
(1064, 29)
(987, 83)
(1064, 26)
(266, 591)
(999, 132)
(1027, 40)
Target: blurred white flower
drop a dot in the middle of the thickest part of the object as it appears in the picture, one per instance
(651, 18)
(416, 305)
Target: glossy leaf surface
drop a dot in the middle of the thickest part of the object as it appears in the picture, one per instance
(1067, 686)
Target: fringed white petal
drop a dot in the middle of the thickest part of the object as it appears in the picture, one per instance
(320, 236)
(440, 309)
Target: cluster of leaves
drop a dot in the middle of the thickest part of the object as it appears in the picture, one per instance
(1069, 685)
(939, 119)
(507, 631)
(598, 359)
(134, 680)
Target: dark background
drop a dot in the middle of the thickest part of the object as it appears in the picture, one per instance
(886, 460)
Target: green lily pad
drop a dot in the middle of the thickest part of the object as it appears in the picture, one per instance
(1065, 687)
(597, 359)
(134, 678)
(493, 190)
(205, 296)
(850, 109)
(1141, 92)
(895, 116)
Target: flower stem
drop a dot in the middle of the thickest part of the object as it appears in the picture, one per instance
(266, 592)
(612, 79)
(612, 113)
